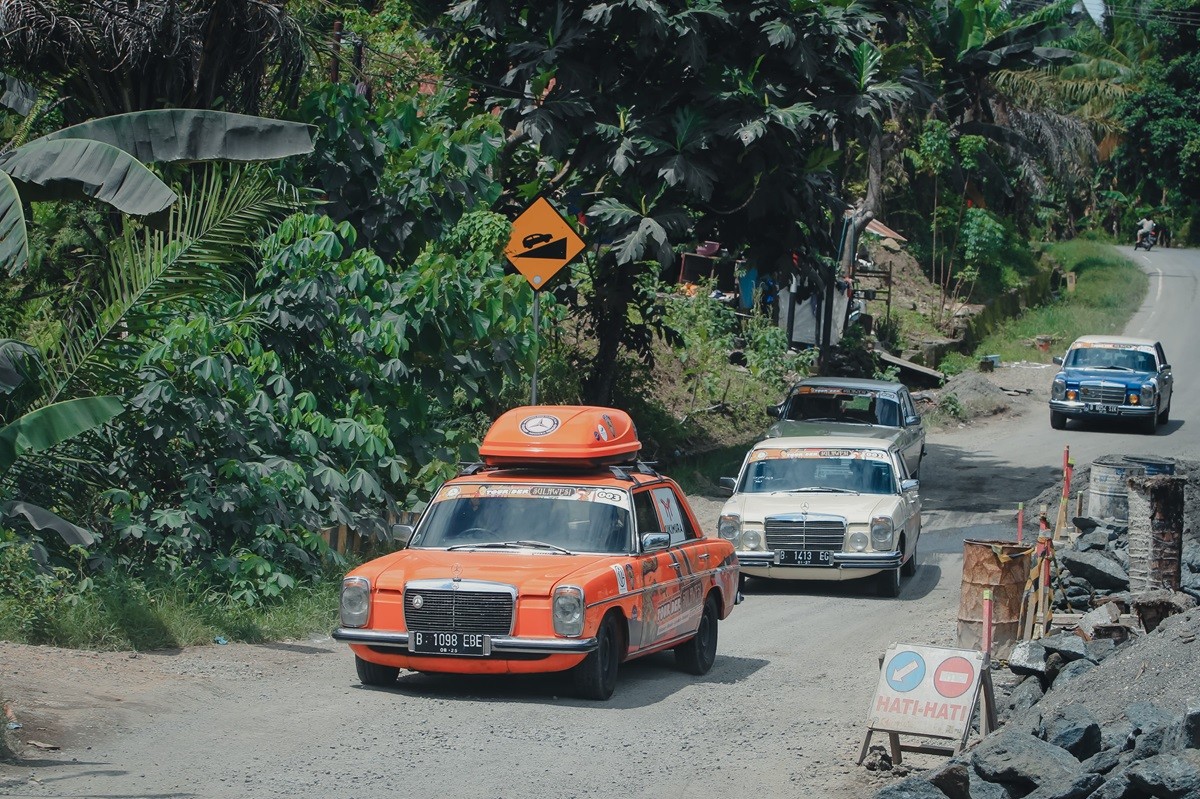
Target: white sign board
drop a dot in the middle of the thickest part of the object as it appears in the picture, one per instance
(927, 690)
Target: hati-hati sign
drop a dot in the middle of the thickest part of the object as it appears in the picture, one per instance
(929, 691)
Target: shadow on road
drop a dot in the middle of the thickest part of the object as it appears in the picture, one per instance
(971, 481)
(640, 682)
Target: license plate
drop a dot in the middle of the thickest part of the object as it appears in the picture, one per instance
(1099, 407)
(804, 557)
(463, 644)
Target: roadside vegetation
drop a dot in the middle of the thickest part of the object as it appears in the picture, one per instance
(215, 346)
(1109, 288)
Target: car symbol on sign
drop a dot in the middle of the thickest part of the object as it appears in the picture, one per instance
(536, 238)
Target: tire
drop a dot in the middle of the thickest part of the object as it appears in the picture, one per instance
(909, 568)
(887, 583)
(373, 674)
(697, 654)
(1150, 425)
(1165, 416)
(596, 677)
(1058, 420)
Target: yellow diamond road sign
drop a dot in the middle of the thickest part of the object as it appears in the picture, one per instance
(541, 243)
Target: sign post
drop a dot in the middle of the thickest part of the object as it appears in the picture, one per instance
(541, 243)
(931, 692)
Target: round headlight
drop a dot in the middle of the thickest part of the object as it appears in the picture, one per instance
(568, 610)
(356, 601)
(858, 542)
(752, 539)
(881, 532)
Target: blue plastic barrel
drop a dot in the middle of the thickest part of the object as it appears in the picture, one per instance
(1153, 464)
(746, 283)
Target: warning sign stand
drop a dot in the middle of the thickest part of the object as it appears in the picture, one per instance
(933, 693)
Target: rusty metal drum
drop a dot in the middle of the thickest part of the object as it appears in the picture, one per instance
(1002, 566)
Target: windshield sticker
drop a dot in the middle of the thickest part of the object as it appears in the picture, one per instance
(1112, 345)
(606, 496)
(543, 424)
(857, 392)
(791, 454)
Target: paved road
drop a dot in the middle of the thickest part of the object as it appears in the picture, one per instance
(780, 715)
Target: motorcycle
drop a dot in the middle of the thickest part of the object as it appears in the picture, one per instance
(1147, 240)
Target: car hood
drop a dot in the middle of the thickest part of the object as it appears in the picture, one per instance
(533, 573)
(1116, 376)
(855, 508)
(789, 428)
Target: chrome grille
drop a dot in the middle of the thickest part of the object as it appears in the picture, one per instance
(487, 612)
(1102, 392)
(824, 534)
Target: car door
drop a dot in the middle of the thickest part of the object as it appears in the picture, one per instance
(914, 433)
(1166, 381)
(673, 596)
(911, 503)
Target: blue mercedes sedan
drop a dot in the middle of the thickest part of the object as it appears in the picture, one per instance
(1112, 377)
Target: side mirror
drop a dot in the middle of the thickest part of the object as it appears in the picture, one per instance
(655, 542)
(1057, 359)
(909, 421)
(775, 411)
(1166, 367)
(402, 533)
(729, 484)
(909, 485)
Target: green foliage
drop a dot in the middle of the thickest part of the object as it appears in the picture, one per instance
(335, 390)
(704, 328)
(403, 169)
(156, 610)
(769, 356)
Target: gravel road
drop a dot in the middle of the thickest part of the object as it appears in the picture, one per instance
(781, 713)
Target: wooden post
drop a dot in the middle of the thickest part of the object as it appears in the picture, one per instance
(1020, 520)
(987, 622)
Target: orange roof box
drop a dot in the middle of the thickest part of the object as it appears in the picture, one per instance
(576, 436)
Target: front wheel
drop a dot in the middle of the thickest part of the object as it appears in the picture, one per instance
(887, 583)
(374, 674)
(1058, 420)
(596, 676)
(697, 654)
(1165, 416)
(1150, 424)
(910, 566)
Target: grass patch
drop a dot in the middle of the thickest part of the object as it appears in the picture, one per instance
(1109, 289)
(120, 613)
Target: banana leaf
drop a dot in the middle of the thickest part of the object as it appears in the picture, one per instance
(185, 134)
(76, 169)
(18, 363)
(41, 519)
(16, 95)
(14, 239)
(51, 425)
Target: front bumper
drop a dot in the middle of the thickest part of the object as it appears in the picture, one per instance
(500, 644)
(759, 559)
(1078, 410)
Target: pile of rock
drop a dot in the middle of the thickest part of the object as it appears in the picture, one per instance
(1087, 719)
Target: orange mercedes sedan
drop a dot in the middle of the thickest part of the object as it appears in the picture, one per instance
(559, 551)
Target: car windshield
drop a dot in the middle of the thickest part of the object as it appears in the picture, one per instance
(1110, 358)
(849, 408)
(522, 516)
(862, 472)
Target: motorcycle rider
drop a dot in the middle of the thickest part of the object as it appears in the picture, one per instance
(1145, 225)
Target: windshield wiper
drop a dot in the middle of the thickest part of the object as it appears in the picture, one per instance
(835, 419)
(512, 545)
(1119, 368)
(820, 490)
